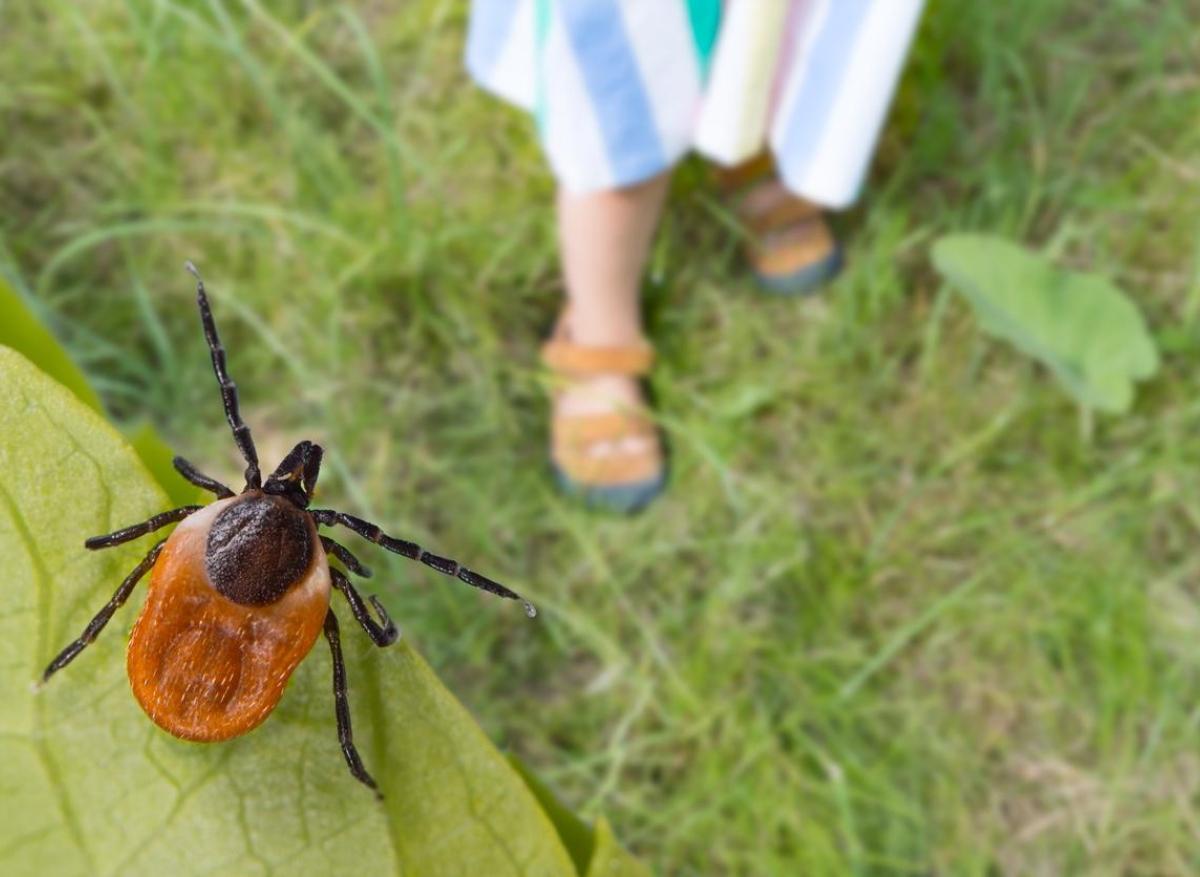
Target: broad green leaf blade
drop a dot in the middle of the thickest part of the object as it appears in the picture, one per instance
(455, 806)
(596, 852)
(572, 831)
(1084, 329)
(92, 787)
(57, 458)
(156, 455)
(610, 859)
(21, 330)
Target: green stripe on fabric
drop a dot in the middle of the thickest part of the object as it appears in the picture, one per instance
(541, 31)
(705, 17)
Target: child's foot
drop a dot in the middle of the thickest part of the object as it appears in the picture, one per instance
(791, 249)
(605, 447)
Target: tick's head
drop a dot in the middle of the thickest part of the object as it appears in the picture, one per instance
(295, 479)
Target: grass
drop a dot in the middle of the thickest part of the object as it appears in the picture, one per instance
(897, 614)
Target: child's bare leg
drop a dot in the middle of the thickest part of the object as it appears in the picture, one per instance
(605, 240)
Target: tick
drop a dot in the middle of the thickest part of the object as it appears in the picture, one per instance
(240, 591)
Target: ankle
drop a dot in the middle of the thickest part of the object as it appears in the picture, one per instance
(604, 327)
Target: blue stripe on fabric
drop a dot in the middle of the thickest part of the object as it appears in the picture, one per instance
(490, 24)
(596, 33)
(822, 80)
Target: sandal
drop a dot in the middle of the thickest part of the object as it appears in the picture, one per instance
(621, 480)
(791, 249)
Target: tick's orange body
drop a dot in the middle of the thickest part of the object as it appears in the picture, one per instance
(204, 667)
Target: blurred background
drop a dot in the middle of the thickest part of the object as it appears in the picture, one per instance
(901, 611)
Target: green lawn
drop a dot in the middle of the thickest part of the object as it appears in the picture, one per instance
(899, 613)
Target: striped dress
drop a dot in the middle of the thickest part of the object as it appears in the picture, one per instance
(622, 89)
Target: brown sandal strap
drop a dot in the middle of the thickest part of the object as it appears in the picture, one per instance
(573, 436)
(731, 180)
(760, 200)
(582, 429)
(609, 470)
(779, 212)
(790, 249)
(569, 358)
(561, 354)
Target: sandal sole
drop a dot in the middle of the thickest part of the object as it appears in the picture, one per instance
(806, 281)
(623, 498)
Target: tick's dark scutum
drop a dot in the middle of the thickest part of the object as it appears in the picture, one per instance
(258, 547)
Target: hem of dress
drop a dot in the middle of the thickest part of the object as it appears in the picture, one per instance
(589, 186)
(517, 99)
(807, 192)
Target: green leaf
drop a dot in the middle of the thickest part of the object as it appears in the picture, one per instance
(91, 786)
(572, 831)
(156, 455)
(21, 330)
(609, 858)
(1082, 327)
(596, 852)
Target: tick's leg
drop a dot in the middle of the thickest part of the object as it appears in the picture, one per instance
(128, 534)
(341, 705)
(198, 478)
(342, 553)
(241, 432)
(413, 551)
(382, 634)
(67, 655)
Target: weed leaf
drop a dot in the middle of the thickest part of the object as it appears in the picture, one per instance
(1080, 326)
